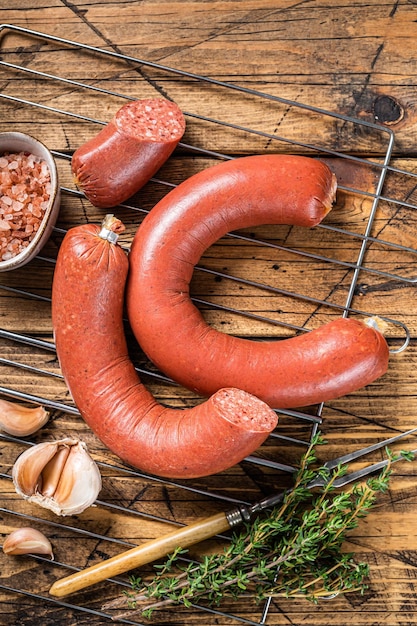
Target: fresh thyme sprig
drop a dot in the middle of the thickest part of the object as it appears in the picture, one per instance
(293, 550)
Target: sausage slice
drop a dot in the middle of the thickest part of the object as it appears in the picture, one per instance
(128, 151)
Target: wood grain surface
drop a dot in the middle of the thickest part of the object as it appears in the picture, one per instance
(316, 77)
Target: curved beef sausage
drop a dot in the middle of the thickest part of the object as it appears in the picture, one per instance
(87, 308)
(331, 361)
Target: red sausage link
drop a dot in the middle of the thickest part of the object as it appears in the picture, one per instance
(128, 151)
(329, 362)
(87, 308)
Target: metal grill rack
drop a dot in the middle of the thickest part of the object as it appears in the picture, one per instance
(363, 181)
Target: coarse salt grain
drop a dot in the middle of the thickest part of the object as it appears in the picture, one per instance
(25, 188)
(4, 225)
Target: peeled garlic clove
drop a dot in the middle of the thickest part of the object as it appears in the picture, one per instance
(27, 540)
(19, 420)
(58, 475)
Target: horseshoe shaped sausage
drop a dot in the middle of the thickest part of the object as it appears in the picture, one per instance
(326, 363)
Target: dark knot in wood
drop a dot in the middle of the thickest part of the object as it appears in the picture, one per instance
(387, 110)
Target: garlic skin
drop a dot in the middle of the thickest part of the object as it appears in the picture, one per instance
(58, 475)
(27, 540)
(19, 420)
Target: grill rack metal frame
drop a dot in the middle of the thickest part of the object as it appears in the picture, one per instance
(381, 165)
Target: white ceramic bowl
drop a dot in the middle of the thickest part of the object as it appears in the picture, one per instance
(20, 142)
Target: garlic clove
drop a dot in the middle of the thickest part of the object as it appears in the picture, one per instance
(52, 472)
(27, 471)
(27, 540)
(58, 475)
(82, 481)
(19, 420)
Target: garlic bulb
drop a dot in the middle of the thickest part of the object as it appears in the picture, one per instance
(19, 420)
(58, 475)
(27, 540)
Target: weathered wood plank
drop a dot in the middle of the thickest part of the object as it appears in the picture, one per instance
(358, 60)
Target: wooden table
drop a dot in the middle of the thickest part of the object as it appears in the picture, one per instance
(356, 61)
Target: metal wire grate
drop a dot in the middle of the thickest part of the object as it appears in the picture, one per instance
(364, 182)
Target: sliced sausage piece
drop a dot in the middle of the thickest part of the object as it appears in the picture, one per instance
(128, 151)
(334, 360)
(87, 308)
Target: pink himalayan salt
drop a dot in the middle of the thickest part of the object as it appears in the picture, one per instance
(25, 189)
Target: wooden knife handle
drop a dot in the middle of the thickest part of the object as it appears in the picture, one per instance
(142, 554)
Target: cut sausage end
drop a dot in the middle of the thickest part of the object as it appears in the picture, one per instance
(245, 410)
(154, 119)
